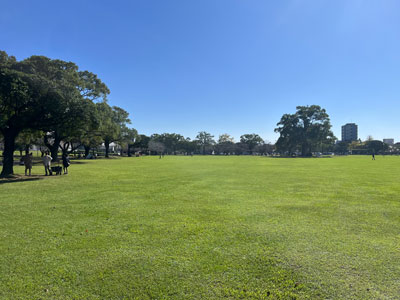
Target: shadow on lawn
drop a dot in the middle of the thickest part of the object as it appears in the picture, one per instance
(78, 162)
(20, 178)
(323, 156)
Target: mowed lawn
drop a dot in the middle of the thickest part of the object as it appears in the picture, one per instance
(204, 228)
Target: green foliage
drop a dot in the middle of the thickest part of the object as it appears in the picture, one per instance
(225, 138)
(375, 146)
(171, 141)
(251, 140)
(113, 123)
(305, 130)
(141, 143)
(27, 138)
(342, 148)
(226, 144)
(45, 94)
(205, 140)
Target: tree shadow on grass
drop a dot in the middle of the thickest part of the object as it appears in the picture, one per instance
(313, 157)
(79, 162)
(20, 178)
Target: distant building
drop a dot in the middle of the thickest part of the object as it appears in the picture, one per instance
(349, 132)
(388, 141)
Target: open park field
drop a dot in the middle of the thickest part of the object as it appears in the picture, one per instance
(204, 228)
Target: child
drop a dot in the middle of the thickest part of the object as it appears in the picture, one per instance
(28, 162)
(66, 163)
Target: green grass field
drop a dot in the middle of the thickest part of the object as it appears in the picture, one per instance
(204, 228)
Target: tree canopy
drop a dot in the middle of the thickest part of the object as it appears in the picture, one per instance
(205, 140)
(251, 140)
(44, 94)
(305, 130)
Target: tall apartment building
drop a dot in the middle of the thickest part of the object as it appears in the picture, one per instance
(349, 132)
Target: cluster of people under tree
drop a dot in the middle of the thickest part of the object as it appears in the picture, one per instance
(47, 159)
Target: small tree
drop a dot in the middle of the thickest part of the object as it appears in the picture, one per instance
(141, 143)
(342, 147)
(205, 141)
(129, 138)
(251, 140)
(113, 122)
(376, 146)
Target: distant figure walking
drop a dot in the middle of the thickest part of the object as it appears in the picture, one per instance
(66, 163)
(47, 163)
(373, 156)
(28, 162)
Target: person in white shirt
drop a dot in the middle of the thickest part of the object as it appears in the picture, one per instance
(47, 163)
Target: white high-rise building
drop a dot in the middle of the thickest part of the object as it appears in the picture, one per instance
(349, 132)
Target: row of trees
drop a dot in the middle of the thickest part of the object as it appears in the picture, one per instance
(306, 131)
(204, 143)
(370, 146)
(51, 101)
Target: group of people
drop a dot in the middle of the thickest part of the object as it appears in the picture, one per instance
(28, 163)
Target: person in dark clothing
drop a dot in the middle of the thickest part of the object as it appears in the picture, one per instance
(373, 156)
(28, 162)
(66, 163)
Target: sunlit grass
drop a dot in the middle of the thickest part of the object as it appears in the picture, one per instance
(204, 228)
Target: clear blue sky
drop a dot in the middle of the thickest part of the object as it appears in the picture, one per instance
(225, 66)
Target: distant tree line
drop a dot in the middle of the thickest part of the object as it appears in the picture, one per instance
(370, 146)
(204, 143)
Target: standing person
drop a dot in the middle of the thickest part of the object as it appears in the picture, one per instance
(47, 163)
(373, 156)
(66, 162)
(28, 162)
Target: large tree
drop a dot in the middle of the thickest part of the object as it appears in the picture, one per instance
(78, 120)
(376, 146)
(172, 141)
(205, 141)
(251, 140)
(27, 100)
(226, 144)
(43, 94)
(78, 90)
(305, 130)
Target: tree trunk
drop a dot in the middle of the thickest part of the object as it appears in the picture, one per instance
(53, 147)
(8, 153)
(64, 148)
(305, 150)
(26, 149)
(107, 146)
(87, 150)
